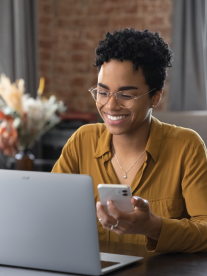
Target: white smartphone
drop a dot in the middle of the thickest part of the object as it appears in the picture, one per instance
(119, 194)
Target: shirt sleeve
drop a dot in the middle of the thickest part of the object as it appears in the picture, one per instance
(68, 161)
(187, 235)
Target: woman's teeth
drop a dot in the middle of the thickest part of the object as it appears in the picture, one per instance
(115, 118)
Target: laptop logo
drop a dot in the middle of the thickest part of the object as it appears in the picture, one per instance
(26, 177)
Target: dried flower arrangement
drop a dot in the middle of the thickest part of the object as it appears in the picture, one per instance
(24, 119)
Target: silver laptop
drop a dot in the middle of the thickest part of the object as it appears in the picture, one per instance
(48, 222)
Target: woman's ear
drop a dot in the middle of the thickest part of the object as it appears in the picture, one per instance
(156, 98)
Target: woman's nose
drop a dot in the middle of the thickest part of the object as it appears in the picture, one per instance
(112, 102)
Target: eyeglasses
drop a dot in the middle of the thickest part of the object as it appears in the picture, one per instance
(123, 98)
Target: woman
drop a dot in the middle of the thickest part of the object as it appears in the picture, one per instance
(165, 165)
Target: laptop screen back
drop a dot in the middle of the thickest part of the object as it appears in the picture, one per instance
(48, 221)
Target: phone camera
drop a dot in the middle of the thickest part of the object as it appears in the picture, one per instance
(124, 193)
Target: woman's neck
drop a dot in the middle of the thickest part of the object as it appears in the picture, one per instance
(132, 143)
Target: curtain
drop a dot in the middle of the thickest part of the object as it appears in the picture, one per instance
(188, 86)
(18, 42)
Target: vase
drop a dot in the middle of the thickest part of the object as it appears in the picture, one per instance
(24, 161)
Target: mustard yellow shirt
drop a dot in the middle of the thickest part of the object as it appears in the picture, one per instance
(173, 178)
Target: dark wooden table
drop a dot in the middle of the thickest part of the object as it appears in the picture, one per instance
(153, 264)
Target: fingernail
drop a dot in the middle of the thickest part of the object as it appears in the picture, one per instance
(108, 202)
(98, 203)
(136, 197)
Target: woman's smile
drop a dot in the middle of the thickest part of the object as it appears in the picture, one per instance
(115, 119)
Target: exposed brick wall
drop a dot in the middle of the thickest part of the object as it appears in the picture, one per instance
(68, 33)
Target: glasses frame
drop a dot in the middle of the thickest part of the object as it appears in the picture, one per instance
(115, 94)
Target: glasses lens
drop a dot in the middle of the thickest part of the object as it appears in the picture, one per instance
(100, 96)
(125, 100)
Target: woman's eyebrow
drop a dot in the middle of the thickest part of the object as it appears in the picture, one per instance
(122, 88)
(103, 86)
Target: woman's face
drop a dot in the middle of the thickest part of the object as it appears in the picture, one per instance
(115, 76)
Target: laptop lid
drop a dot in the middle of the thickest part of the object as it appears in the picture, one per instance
(48, 221)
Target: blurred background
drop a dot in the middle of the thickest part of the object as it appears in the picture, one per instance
(69, 31)
(56, 39)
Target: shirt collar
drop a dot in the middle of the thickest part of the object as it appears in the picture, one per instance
(152, 147)
(104, 143)
(155, 139)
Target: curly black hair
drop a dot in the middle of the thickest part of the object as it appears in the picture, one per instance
(144, 48)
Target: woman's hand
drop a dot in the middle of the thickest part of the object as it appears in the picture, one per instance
(140, 221)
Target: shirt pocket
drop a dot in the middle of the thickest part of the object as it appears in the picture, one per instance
(172, 207)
